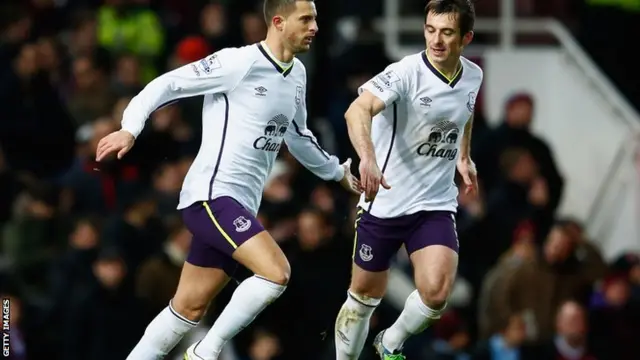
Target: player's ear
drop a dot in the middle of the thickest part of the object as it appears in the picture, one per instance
(278, 22)
(466, 38)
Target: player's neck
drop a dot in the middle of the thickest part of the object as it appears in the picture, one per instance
(448, 69)
(276, 49)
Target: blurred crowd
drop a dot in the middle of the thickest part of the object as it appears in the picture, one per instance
(90, 253)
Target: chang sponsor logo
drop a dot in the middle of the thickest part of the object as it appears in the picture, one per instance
(441, 137)
(273, 134)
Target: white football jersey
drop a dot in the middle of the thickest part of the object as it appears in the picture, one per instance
(252, 102)
(417, 136)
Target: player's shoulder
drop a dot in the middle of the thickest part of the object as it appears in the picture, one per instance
(243, 56)
(408, 63)
(471, 68)
(297, 63)
(298, 68)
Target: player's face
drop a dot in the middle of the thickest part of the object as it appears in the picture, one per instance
(444, 40)
(300, 26)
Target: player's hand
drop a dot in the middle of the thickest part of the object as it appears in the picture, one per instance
(350, 182)
(371, 178)
(467, 170)
(118, 141)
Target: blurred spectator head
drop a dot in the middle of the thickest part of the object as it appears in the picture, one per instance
(83, 34)
(140, 208)
(15, 23)
(253, 28)
(110, 269)
(26, 63)
(167, 178)
(558, 246)
(519, 111)
(322, 197)
(628, 264)
(571, 323)
(277, 187)
(118, 109)
(213, 20)
(265, 346)
(313, 229)
(39, 200)
(616, 289)
(518, 165)
(127, 74)
(184, 163)
(192, 48)
(85, 234)
(524, 241)
(164, 119)
(50, 53)
(453, 329)
(574, 229)
(514, 330)
(89, 73)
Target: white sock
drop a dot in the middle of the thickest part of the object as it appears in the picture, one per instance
(352, 325)
(162, 335)
(414, 319)
(250, 298)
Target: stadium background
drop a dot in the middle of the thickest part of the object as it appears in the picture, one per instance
(90, 253)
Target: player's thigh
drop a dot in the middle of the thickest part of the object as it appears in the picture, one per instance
(433, 249)
(236, 233)
(263, 256)
(375, 243)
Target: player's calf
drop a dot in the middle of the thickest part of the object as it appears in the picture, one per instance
(262, 255)
(352, 323)
(198, 285)
(435, 270)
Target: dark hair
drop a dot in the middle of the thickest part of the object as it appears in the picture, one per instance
(273, 7)
(464, 8)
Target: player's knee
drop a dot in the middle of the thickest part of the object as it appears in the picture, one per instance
(367, 288)
(368, 284)
(434, 294)
(189, 308)
(279, 274)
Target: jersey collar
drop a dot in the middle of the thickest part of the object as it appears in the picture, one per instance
(284, 70)
(451, 82)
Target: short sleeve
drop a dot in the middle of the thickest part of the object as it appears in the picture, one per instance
(389, 85)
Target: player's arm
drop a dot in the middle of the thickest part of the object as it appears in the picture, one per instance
(465, 146)
(375, 95)
(217, 73)
(303, 145)
(359, 116)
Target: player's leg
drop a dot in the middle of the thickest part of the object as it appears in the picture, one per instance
(204, 274)
(254, 248)
(433, 249)
(374, 245)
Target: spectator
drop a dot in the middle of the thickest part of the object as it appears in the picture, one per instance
(572, 329)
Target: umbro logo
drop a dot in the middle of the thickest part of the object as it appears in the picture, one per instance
(425, 101)
(261, 91)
